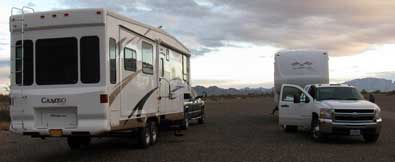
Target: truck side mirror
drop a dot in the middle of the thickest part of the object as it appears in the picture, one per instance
(296, 98)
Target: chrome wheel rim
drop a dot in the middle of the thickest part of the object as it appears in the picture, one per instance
(154, 133)
(147, 137)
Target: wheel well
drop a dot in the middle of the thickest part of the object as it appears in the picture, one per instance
(154, 118)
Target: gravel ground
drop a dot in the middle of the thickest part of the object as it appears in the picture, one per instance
(236, 130)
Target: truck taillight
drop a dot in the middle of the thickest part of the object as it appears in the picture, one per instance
(103, 98)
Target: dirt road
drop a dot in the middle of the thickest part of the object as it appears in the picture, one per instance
(236, 130)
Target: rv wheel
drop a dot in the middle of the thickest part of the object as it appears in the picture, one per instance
(144, 136)
(154, 132)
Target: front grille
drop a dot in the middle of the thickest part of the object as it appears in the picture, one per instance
(354, 111)
(353, 115)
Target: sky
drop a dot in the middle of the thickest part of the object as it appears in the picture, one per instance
(233, 43)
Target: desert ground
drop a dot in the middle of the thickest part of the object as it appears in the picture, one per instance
(237, 129)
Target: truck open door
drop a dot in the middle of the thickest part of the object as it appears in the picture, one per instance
(294, 106)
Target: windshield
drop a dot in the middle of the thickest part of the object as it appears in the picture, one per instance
(338, 93)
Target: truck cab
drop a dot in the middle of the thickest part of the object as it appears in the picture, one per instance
(327, 109)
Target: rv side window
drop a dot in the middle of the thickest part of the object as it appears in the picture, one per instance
(185, 68)
(113, 61)
(129, 61)
(148, 54)
(90, 59)
(56, 61)
(27, 62)
(162, 67)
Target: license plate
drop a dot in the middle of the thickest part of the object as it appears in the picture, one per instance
(56, 132)
(355, 132)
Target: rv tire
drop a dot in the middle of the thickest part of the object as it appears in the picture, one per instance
(154, 132)
(144, 135)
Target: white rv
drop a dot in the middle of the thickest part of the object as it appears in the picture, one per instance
(91, 72)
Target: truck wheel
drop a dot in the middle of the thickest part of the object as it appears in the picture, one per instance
(315, 130)
(154, 132)
(371, 137)
(202, 117)
(144, 136)
(185, 122)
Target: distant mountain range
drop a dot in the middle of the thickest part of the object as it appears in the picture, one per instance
(373, 84)
(214, 90)
(368, 84)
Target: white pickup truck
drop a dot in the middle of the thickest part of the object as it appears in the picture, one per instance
(321, 107)
(329, 109)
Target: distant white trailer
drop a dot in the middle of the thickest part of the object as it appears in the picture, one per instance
(300, 67)
(91, 72)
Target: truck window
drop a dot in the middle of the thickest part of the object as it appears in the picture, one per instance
(56, 61)
(27, 62)
(113, 61)
(147, 54)
(129, 61)
(338, 93)
(90, 59)
(290, 92)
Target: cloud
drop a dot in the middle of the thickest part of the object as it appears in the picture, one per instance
(342, 27)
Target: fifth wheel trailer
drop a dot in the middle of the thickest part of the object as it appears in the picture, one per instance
(299, 67)
(92, 72)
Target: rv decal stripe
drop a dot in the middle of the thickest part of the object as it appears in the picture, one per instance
(120, 86)
(140, 105)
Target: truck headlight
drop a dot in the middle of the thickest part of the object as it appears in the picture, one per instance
(326, 113)
(377, 114)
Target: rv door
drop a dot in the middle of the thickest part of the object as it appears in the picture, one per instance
(294, 106)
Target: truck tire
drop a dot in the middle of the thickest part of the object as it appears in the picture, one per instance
(315, 130)
(144, 136)
(185, 122)
(154, 132)
(290, 128)
(371, 138)
(202, 117)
